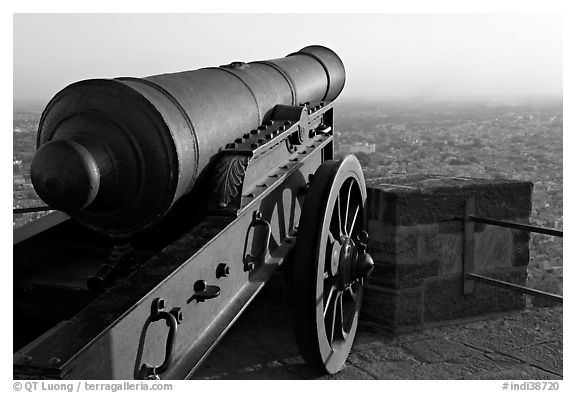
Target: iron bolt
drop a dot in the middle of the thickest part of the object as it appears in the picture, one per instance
(363, 237)
(222, 270)
(200, 286)
(177, 312)
(55, 360)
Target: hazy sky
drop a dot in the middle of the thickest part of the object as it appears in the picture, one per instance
(389, 55)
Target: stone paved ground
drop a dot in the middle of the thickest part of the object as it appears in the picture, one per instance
(523, 346)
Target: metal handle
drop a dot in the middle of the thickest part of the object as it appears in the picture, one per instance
(157, 314)
(250, 260)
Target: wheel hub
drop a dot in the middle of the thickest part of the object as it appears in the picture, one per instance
(345, 261)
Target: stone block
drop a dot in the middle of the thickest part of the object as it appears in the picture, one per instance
(444, 300)
(430, 199)
(451, 249)
(520, 248)
(393, 309)
(544, 355)
(399, 244)
(416, 232)
(518, 373)
(460, 368)
(384, 362)
(439, 349)
(396, 276)
(493, 249)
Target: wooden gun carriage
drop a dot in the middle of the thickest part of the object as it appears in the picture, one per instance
(176, 197)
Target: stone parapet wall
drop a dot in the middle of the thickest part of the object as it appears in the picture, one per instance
(416, 241)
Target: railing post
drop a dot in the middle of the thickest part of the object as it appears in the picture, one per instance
(468, 249)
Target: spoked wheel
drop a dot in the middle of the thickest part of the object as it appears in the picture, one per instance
(330, 264)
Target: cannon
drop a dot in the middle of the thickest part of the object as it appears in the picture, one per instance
(175, 198)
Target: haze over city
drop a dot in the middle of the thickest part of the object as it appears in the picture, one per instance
(424, 56)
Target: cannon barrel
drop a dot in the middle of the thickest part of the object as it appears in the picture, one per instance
(115, 154)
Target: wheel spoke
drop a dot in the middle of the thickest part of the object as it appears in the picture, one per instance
(339, 215)
(327, 304)
(354, 220)
(333, 320)
(347, 208)
(332, 239)
(340, 308)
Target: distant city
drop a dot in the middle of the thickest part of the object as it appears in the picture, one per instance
(484, 140)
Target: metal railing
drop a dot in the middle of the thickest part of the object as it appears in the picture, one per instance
(468, 275)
